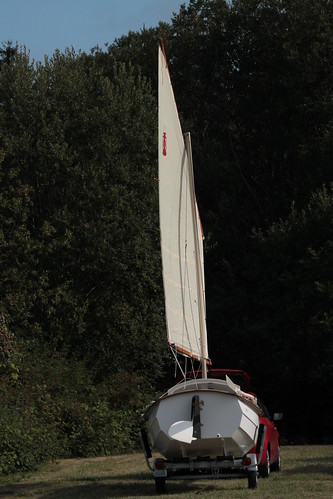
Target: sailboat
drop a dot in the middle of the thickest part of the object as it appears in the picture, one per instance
(201, 416)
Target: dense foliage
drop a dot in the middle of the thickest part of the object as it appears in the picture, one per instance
(79, 257)
(82, 324)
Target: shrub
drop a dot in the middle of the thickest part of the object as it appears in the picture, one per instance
(51, 408)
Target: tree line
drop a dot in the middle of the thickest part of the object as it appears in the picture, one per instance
(82, 332)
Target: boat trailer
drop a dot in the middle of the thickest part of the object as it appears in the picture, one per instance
(199, 468)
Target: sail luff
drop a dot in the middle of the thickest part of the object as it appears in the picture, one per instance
(185, 328)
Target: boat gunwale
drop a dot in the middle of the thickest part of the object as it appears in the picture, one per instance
(201, 385)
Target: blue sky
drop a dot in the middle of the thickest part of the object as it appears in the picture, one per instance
(45, 25)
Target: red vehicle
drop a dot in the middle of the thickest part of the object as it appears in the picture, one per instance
(268, 446)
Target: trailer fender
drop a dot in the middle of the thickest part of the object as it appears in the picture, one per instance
(253, 466)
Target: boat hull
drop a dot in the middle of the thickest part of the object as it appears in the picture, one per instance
(225, 424)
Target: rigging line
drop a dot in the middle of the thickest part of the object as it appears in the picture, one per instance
(195, 376)
(175, 373)
(177, 361)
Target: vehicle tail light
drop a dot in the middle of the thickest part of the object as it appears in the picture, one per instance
(159, 464)
(246, 461)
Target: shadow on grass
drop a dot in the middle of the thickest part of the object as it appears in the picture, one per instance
(312, 464)
(309, 458)
(131, 485)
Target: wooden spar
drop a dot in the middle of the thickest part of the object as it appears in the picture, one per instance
(201, 306)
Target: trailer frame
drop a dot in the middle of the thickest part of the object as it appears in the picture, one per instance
(199, 468)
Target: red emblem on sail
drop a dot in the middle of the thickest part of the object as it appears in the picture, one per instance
(164, 145)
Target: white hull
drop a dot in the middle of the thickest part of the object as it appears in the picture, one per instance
(227, 423)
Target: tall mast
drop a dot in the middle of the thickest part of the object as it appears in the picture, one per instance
(201, 306)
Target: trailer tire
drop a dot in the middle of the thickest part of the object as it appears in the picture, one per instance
(160, 485)
(252, 479)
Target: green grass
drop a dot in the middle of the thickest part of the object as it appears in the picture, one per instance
(307, 472)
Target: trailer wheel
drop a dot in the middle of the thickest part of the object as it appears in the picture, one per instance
(160, 485)
(252, 479)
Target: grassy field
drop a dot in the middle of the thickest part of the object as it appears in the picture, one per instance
(307, 471)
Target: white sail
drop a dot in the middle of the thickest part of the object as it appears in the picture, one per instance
(179, 221)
